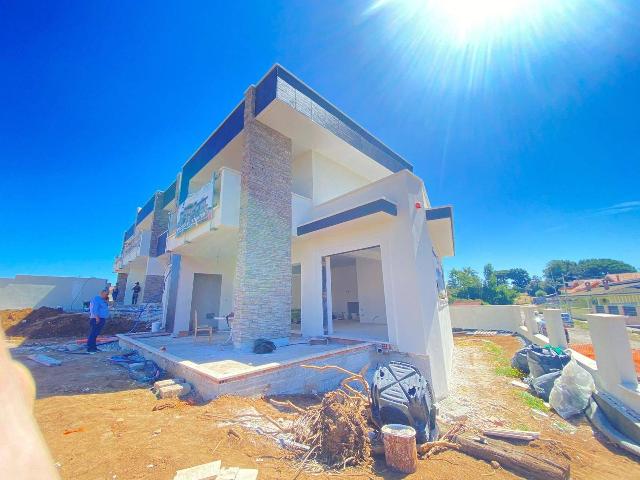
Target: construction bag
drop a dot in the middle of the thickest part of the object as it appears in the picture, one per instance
(545, 360)
(572, 390)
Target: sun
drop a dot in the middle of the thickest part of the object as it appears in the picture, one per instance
(466, 21)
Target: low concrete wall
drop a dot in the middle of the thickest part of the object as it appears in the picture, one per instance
(33, 291)
(614, 373)
(486, 317)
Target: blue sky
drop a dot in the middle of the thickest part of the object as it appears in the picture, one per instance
(528, 128)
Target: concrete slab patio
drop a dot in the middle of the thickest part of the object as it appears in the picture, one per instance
(217, 368)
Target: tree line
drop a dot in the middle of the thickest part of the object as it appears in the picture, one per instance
(503, 287)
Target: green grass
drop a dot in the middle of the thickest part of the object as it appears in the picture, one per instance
(581, 324)
(523, 426)
(502, 365)
(533, 402)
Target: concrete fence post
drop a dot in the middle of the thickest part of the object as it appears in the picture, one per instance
(555, 327)
(613, 350)
(530, 319)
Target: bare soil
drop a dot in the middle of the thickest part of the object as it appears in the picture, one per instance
(45, 322)
(100, 424)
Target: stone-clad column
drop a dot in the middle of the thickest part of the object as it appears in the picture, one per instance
(262, 290)
(154, 279)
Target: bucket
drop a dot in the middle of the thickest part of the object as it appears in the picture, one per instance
(155, 326)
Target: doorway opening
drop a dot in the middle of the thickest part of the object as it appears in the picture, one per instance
(205, 298)
(357, 300)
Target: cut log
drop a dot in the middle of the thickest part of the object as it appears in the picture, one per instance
(400, 452)
(520, 463)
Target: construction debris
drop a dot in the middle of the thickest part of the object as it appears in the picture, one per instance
(336, 430)
(517, 461)
(45, 360)
(514, 434)
(171, 389)
(215, 471)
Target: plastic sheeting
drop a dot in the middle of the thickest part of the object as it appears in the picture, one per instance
(572, 390)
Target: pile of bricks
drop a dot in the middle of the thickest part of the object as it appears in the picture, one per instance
(171, 388)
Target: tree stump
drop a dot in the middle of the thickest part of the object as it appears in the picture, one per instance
(400, 452)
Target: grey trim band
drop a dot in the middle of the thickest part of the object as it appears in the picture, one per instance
(380, 205)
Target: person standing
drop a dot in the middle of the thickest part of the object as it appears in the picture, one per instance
(98, 314)
(136, 291)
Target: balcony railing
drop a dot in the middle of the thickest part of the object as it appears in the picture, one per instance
(136, 246)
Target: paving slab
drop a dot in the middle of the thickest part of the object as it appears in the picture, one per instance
(174, 390)
(207, 471)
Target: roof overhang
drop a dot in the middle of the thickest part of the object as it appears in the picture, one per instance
(440, 224)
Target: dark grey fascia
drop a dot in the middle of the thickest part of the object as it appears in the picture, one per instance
(282, 85)
(377, 206)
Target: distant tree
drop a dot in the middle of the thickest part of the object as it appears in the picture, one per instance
(464, 283)
(534, 285)
(502, 276)
(599, 267)
(540, 293)
(556, 270)
(519, 278)
(504, 295)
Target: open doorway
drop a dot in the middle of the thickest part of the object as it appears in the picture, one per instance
(205, 297)
(358, 307)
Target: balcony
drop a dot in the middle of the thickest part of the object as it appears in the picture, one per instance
(134, 247)
(214, 205)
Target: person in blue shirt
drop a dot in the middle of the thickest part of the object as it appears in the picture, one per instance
(98, 314)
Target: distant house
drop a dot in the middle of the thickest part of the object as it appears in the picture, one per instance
(608, 295)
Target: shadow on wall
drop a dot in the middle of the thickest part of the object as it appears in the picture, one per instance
(28, 291)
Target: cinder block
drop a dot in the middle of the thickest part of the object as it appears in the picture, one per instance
(166, 383)
(207, 471)
(174, 390)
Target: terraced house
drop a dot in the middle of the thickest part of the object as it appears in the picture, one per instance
(295, 218)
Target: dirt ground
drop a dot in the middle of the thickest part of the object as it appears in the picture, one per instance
(99, 424)
(45, 322)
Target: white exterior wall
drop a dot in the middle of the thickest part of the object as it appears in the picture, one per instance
(331, 179)
(417, 322)
(370, 291)
(137, 273)
(224, 266)
(33, 291)
(483, 317)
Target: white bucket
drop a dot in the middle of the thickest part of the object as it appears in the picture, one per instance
(155, 326)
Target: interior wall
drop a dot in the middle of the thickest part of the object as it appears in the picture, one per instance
(370, 290)
(344, 287)
(331, 179)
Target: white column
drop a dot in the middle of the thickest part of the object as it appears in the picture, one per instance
(311, 294)
(613, 350)
(329, 298)
(530, 319)
(185, 293)
(555, 327)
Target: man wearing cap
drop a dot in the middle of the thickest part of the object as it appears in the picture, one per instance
(98, 314)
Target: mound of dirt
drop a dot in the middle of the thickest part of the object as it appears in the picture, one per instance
(45, 322)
